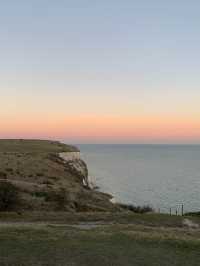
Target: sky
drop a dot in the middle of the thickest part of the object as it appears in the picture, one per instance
(106, 71)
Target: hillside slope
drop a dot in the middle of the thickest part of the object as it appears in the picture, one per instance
(45, 181)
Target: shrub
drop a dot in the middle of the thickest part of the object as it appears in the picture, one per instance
(9, 196)
(192, 214)
(60, 197)
(9, 170)
(47, 182)
(3, 175)
(136, 209)
(18, 172)
(40, 194)
(39, 174)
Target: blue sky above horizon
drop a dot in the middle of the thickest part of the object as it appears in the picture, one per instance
(133, 62)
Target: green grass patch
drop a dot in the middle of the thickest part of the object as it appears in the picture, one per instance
(104, 246)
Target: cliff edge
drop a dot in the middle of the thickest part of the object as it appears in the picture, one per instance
(48, 176)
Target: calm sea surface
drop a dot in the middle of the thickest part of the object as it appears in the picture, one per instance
(164, 176)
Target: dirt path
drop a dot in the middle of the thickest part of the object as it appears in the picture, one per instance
(188, 224)
(84, 226)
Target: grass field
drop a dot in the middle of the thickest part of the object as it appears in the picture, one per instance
(153, 220)
(117, 245)
(87, 239)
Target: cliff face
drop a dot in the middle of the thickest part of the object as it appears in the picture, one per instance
(51, 178)
(73, 161)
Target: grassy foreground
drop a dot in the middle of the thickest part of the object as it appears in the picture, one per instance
(117, 245)
(127, 239)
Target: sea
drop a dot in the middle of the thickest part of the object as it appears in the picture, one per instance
(162, 176)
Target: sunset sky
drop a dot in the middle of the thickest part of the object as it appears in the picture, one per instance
(106, 71)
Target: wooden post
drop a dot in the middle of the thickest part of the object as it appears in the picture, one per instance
(176, 212)
(170, 211)
(182, 212)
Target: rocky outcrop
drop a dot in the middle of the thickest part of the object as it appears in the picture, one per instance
(76, 165)
(70, 156)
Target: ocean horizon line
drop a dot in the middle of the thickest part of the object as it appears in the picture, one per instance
(139, 144)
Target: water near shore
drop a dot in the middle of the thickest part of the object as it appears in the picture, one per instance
(164, 176)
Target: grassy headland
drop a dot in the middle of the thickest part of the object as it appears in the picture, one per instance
(59, 221)
(31, 146)
(44, 180)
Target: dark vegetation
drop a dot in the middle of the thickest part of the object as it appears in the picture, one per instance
(192, 214)
(59, 197)
(136, 209)
(3, 175)
(9, 196)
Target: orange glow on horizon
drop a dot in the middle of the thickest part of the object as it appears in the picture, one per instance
(103, 128)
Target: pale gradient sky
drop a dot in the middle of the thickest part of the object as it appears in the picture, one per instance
(106, 71)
